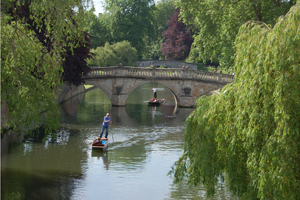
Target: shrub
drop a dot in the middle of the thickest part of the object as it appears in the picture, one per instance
(112, 55)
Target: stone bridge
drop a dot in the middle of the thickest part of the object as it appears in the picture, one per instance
(186, 84)
(165, 63)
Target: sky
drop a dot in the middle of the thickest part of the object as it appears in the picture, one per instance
(98, 6)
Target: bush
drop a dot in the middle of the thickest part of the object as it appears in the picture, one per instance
(112, 55)
(193, 56)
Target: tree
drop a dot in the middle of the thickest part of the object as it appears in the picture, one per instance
(130, 20)
(97, 28)
(161, 13)
(139, 22)
(112, 55)
(75, 49)
(40, 42)
(75, 64)
(217, 23)
(251, 130)
(178, 39)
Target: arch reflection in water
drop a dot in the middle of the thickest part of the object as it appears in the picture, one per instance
(86, 108)
(144, 144)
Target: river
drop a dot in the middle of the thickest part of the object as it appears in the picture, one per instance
(144, 142)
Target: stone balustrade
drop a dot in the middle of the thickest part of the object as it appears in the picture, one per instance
(165, 63)
(186, 84)
(173, 73)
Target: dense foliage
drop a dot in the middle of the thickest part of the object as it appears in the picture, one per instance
(162, 13)
(251, 131)
(97, 28)
(178, 39)
(112, 55)
(217, 22)
(75, 60)
(75, 48)
(139, 22)
(130, 20)
(40, 43)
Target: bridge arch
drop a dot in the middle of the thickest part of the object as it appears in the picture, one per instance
(153, 83)
(67, 90)
(185, 84)
(103, 89)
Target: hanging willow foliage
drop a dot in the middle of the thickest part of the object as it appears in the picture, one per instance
(251, 131)
(41, 43)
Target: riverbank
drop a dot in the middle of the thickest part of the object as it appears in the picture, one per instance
(9, 138)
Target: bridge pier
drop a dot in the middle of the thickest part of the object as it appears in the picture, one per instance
(186, 102)
(186, 85)
(118, 100)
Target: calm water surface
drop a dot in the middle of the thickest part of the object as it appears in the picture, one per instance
(144, 144)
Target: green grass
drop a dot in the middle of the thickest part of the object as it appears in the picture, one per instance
(88, 86)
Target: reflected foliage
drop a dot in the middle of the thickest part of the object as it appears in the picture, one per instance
(44, 167)
(93, 108)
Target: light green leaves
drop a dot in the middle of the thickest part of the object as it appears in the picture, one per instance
(251, 131)
(31, 70)
(217, 23)
(112, 55)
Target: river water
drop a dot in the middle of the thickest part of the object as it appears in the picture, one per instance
(144, 142)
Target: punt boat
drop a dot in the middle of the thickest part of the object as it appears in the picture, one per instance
(102, 144)
(156, 103)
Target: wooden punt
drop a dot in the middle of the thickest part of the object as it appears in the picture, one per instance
(103, 144)
(156, 103)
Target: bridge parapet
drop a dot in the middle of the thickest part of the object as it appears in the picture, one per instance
(175, 73)
(185, 84)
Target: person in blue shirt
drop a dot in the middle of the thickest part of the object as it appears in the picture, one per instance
(107, 120)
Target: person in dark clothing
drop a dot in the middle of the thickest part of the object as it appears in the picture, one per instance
(155, 92)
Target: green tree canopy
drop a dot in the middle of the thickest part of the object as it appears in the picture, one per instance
(98, 28)
(216, 23)
(130, 20)
(251, 131)
(139, 22)
(161, 13)
(32, 63)
(112, 55)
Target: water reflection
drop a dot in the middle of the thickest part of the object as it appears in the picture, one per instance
(86, 108)
(91, 108)
(36, 169)
(100, 154)
(145, 141)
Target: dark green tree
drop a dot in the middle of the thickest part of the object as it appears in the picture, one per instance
(130, 20)
(98, 29)
(41, 42)
(161, 13)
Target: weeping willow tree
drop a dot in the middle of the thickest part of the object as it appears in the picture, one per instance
(41, 42)
(217, 22)
(251, 130)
